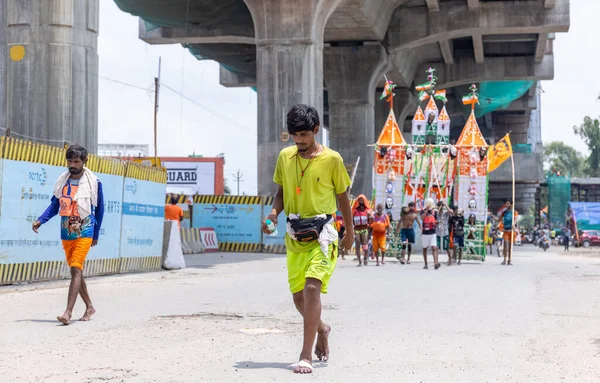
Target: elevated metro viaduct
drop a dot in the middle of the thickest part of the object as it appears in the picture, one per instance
(328, 53)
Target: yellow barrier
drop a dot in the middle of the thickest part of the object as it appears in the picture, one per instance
(51, 270)
(19, 150)
(228, 199)
(144, 173)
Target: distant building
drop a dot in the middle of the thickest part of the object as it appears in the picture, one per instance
(123, 150)
(194, 175)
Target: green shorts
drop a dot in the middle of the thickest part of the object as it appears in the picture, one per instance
(443, 242)
(311, 264)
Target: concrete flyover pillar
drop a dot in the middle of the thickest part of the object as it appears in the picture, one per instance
(49, 70)
(289, 69)
(351, 75)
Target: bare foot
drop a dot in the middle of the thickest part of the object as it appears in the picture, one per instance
(88, 314)
(322, 347)
(64, 319)
(303, 367)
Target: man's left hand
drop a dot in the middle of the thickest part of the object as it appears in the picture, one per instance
(348, 240)
(94, 242)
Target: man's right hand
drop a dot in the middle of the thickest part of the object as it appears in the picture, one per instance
(265, 228)
(35, 226)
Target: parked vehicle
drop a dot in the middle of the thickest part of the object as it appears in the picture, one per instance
(590, 238)
(545, 244)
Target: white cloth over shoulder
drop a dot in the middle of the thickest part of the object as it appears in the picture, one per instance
(87, 191)
(328, 235)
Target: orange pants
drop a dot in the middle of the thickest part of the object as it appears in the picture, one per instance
(76, 251)
(378, 243)
(508, 236)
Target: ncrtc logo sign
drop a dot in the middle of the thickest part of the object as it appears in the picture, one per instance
(131, 188)
(182, 176)
(40, 176)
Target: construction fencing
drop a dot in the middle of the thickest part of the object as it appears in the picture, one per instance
(132, 230)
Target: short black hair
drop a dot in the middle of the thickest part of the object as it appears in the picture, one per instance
(77, 151)
(302, 118)
(174, 200)
(411, 204)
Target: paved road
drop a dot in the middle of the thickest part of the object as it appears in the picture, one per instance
(230, 319)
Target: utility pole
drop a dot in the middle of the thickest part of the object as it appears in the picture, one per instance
(156, 90)
(238, 179)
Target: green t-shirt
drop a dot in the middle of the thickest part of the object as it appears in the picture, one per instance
(323, 180)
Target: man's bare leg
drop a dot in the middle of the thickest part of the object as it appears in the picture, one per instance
(436, 264)
(309, 305)
(409, 252)
(450, 251)
(74, 288)
(460, 253)
(358, 247)
(377, 256)
(89, 308)
(505, 252)
(322, 347)
(425, 257)
(382, 257)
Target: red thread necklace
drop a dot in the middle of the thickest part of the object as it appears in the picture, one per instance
(303, 170)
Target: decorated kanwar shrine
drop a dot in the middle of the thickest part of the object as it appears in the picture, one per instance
(430, 168)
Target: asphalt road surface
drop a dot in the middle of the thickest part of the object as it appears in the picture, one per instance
(230, 318)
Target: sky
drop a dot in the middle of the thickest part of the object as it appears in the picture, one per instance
(126, 112)
(185, 126)
(573, 94)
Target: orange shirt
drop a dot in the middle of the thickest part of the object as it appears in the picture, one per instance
(380, 225)
(173, 213)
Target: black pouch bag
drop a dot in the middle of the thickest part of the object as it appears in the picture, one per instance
(308, 229)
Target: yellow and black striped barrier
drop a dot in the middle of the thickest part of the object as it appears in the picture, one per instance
(145, 173)
(52, 270)
(274, 249)
(228, 199)
(191, 241)
(240, 247)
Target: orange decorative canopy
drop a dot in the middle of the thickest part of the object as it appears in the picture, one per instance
(443, 117)
(431, 106)
(391, 135)
(471, 135)
(419, 115)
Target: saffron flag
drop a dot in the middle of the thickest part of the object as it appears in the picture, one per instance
(440, 95)
(499, 153)
(471, 99)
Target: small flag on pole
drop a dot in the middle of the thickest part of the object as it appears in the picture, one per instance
(440, 95)
(499, 153)
(472, 98)
(388, 89)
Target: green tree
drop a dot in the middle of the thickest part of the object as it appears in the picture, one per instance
(589, 131)
(226, 188)
(564, 158)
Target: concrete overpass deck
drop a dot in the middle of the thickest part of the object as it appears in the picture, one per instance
(337, 50)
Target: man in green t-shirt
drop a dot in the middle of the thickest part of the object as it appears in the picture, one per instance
(311, 179)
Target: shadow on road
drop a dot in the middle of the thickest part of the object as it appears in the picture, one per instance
(250, 365)
(43, 321)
